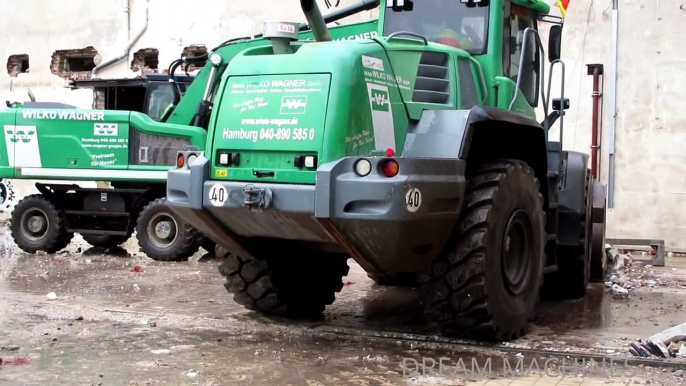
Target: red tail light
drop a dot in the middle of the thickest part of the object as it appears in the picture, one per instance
(180, 161)
(390, 168)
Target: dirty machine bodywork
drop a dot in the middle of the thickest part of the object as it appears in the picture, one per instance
(128, 140)
(416, 153)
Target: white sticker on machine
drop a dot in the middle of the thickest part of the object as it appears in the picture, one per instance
(382, 116)
(218, 195)
(413, 200)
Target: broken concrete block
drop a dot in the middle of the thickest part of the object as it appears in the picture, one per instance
(620, 260)
(608, 284)
(682, 351)
(672, 334)
(619, 292)
(673, 348)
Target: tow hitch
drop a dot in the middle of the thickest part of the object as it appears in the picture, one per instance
(257, 198)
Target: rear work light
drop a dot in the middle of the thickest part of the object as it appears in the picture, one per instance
(228, 159)
(390, 168)
(363, 167)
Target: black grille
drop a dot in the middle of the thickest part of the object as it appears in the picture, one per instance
(433, 80)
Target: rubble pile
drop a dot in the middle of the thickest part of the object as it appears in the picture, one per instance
(627, 275)
(670, 343)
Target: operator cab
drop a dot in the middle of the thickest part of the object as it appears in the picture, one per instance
(448, 22)
(160, 93)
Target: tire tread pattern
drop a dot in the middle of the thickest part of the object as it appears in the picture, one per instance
(298, 286)
(457, 297)
(57, 239)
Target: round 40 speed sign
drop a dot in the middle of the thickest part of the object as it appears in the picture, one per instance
(218, 195)
(413, 200)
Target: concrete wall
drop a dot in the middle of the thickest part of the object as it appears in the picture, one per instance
(650, 184)
(650, 196)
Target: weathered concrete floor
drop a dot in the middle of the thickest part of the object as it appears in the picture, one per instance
(173, 324)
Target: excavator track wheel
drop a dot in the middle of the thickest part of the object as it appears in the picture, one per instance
(163, 236)
(37, 225)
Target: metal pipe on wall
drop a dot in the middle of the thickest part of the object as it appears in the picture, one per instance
(596, 70)
(613, 106)
(129, 45)
(127, 11)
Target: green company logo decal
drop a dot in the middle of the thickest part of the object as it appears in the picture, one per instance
(380, 100)
(106, 129)
(293, 104)
(21, 135)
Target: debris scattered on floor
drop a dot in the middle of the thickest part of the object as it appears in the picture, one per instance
(52, 296)
(13, 361)
(670, 343)
(627, 275)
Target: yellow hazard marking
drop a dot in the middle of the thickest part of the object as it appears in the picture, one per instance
(221, 173)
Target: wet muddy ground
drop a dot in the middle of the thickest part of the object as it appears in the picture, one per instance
(122, 319)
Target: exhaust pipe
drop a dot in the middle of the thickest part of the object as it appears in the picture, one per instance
(315, 20)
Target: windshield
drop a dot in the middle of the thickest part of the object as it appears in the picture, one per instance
(447, 22)
(161, 96)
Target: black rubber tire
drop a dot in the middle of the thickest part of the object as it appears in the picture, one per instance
(56, 237)
(293, 286)
(185, 245)
(105, 241)
(398, 280)
(599, 257)
(464, 290)
(574, 263)
(220, 251)
(208, 245)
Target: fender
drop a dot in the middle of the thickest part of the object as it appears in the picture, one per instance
(478, 134)
(571, 197)
(449, 133)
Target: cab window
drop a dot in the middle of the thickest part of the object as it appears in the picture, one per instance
(160, 96)
(448, 22)
(517, 20)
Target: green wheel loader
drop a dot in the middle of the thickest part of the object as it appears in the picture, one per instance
(414, 152)
(131, 144)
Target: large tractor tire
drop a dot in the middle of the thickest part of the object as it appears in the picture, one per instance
(163, 236)
(297, 286)
(486, 283)
(105, 241)
(37, 225)
(599, 258)
(397, 280)
(574, 263)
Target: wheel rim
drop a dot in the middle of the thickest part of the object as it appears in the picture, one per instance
(162, 230)
(34, 224)
(517, 251)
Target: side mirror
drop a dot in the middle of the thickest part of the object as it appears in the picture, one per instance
(555, 43)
